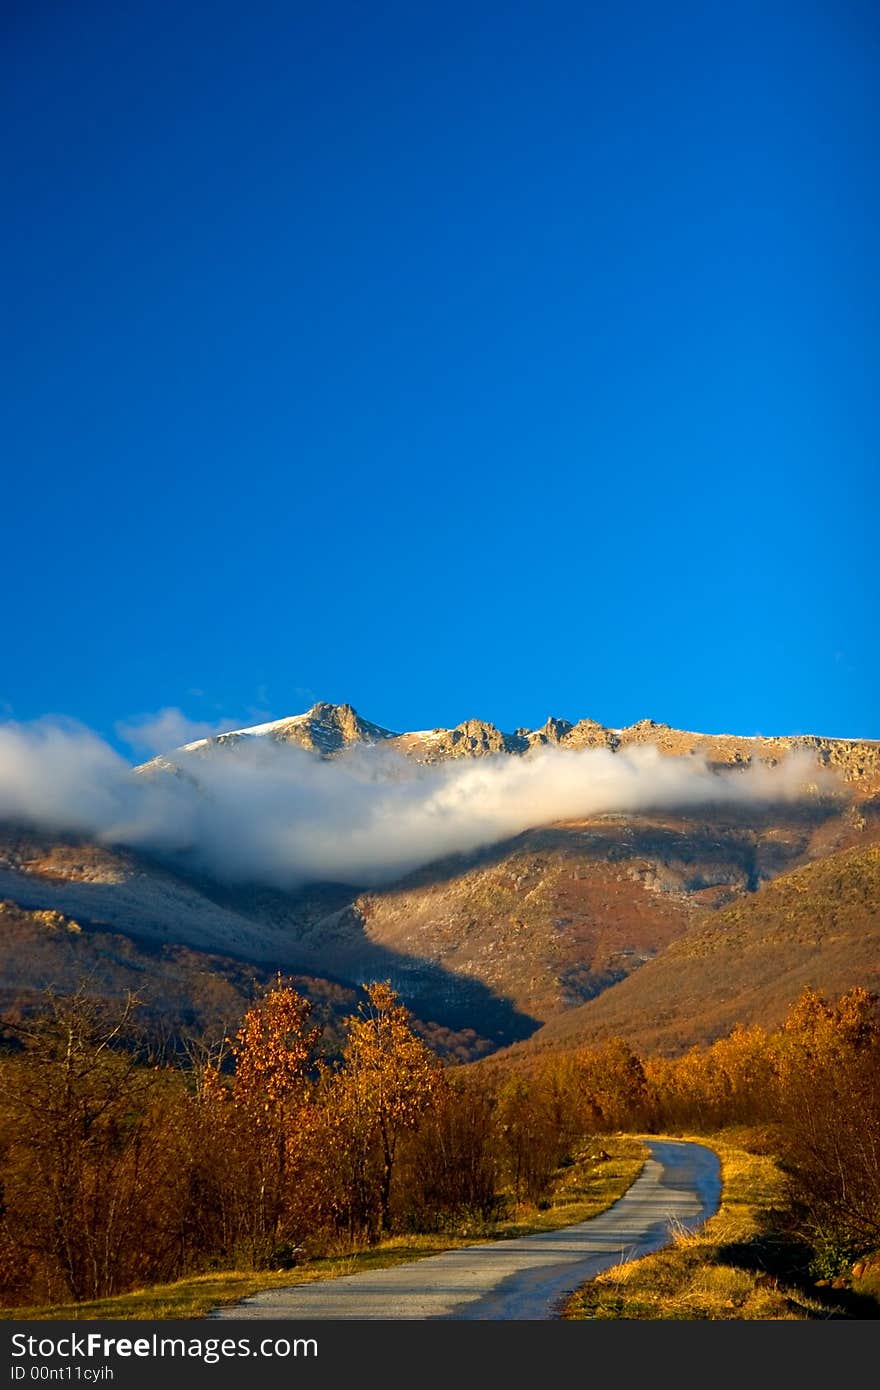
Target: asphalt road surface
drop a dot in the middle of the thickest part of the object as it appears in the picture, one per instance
(527, 1278)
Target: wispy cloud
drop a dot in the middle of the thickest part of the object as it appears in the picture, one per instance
(168, 728)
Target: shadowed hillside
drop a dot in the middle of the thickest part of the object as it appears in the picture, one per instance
(183, 993)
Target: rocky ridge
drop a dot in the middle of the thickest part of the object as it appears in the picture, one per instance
(329, 730)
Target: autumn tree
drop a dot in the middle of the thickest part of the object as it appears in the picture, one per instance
(530, 1143)
(451, 1167)
(614, 1092)
(259, 1125)
(828, 1101)
(733, 1081)
(387, 1081)
(91, 1181)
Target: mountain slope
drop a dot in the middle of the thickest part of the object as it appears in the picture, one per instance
(818, 925)
(124, 891)
(499, 939)
(182, 993)
(556, 915)
(311, 932)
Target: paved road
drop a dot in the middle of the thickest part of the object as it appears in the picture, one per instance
(528, 1278)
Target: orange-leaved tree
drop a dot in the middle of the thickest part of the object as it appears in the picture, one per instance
(829, 1106)
(387, 1081)
(261, 1124)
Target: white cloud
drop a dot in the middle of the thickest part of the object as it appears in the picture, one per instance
(277, 814)
(168, 728)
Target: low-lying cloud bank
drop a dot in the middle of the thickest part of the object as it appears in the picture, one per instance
(276, 814)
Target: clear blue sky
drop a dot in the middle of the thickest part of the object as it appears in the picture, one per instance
(450, 359)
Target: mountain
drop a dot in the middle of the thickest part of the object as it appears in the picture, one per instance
(549, 927)
(324, 729)
(816, 925)
(329, 730)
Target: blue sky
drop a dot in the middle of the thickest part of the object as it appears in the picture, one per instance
(452, 360)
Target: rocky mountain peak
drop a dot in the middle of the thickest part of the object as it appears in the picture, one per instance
(589, 733)
(554, 731)
(477, 737)
(327, 728)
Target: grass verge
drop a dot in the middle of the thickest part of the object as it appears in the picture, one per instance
(740, 1265)
(581, 1190)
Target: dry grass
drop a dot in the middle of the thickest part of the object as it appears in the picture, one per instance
(724, 1271)
(193, 1297)
(581, 1191)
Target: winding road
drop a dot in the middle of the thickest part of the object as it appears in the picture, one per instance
(527, 1278)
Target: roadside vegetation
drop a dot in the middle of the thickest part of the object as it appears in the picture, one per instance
(161, 1185)
(749, 1261)
(582, 1188)
(262, 1160)
(740, 1264)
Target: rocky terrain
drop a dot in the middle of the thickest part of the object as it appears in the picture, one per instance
(331, 729)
